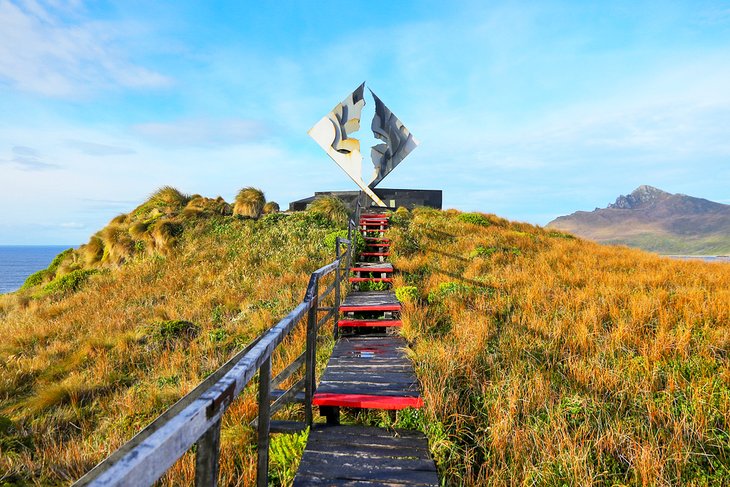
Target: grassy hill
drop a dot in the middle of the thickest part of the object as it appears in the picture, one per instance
(544, 359)
(550, 360)
(110, 336)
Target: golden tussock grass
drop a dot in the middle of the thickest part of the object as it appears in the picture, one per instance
(550, 360)
(249, 202)
(332, 208)
(271, 207)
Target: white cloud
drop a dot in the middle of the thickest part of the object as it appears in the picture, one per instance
(57, 53)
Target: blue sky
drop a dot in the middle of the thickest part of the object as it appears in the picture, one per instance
(526, 109)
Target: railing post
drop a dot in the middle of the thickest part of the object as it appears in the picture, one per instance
(207, 457)
(311, 355)
(262, 470)
(336, 305)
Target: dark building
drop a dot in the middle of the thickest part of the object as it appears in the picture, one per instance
(394, 198)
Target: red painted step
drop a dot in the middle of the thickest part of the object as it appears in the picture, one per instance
(372, 307)
(355, 323)
(371, 279)
(371, 269)
(375, 254)
(366, 401)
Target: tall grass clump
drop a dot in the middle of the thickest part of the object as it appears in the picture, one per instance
(271, 207)
(167, 195)
(332, 208)
(550, 360)
(249, 202)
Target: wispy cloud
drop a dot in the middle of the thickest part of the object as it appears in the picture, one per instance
(95, 149)
(204, 132)
(28, 159)
(53, 50)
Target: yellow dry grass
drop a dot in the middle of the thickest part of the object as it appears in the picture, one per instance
(549, 360)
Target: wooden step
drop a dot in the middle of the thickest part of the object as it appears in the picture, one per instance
(369, 323)
(365, 456)
(358, 301)
(374, 254)
(372, 268)
(376, 239)
(369, 372)
(370, 279)
(377, 244)
(366, 401)
(374, 215)
(374, 307)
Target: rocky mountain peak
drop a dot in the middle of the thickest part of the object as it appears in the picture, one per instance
(641, 196)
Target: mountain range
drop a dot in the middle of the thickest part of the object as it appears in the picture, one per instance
(655, 220)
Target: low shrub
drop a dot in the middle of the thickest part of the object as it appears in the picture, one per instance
(372, 286)
(406, 294)
(474, 219)
(69, 283)
(448, 289)
(169, 331)
(331, 239)
(272, 218)
(37, 278)
(56, 262)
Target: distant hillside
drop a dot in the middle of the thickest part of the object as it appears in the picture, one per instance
(655, 220)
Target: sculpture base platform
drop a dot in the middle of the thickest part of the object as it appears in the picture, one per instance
(394, 198)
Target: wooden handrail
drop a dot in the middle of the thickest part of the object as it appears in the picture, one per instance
(196, 418)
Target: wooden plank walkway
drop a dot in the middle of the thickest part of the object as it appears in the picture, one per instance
(369, 372)
(368, 369)
(365, 456)
(360, 301)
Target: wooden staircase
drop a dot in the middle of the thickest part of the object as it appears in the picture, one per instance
(368, 369)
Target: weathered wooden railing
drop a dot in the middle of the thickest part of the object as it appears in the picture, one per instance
(196, 418)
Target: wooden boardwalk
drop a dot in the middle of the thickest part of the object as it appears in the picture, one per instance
(365, 456)
(368, 369)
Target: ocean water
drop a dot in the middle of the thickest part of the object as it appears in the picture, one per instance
(17, 262)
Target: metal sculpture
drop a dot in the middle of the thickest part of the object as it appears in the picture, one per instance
(398, 141)
(333, 134)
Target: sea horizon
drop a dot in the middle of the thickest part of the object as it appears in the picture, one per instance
(17, 262)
